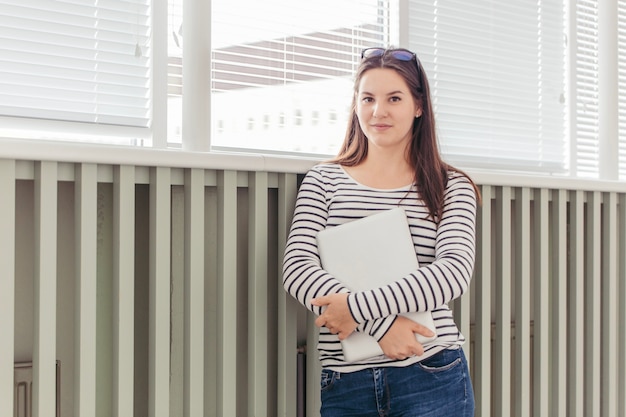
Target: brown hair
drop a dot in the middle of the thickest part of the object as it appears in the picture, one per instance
(431, 172)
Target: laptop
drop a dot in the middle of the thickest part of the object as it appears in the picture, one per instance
(369, 253)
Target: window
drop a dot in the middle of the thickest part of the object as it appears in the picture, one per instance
(79, 64)
(497, 74)
(585, 78)
(285, 61)
(497, 106)
(516, 85)
(596, 77)
(621, 39)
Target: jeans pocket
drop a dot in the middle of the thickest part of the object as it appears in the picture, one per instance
(442, 361)
(327, 379)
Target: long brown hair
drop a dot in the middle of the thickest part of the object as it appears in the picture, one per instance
(430, 171)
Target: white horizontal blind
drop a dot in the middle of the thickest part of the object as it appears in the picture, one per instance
(175, 48)
(282, 70)
(78, 61)
(175, 71)
(621, 46)
(585, 136)
(497, 75)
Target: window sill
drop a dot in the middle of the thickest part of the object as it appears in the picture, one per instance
(72, 152)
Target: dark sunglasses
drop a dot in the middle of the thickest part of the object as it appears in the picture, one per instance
(399, 54)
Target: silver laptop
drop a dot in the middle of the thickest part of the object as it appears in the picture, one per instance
(370, 253)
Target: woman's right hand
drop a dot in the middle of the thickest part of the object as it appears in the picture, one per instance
(399, 342)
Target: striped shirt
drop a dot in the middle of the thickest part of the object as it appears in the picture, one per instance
(329, 197)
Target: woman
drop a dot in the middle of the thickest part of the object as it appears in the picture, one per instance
(389, 158)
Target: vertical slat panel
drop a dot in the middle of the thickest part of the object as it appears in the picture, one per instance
(212, 340)
(594, 289)
(541, 319)
(576, 305)
(622, 305)
(7, 284)
(123, 289)
(482, 283)
(593, 321)
(227, 293)
(609, 319)
(257, 295)
(287, 307)
(558, 354)
(159, 343)
(521, 243)
(86, 200)
(194, 293)
(44, 349)
(313, 369)
(503, 306)
(177, 300)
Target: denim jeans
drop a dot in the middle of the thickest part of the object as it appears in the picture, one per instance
(437, 386)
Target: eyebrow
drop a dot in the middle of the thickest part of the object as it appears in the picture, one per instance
(389, 94)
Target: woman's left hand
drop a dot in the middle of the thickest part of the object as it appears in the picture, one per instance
(336, 316)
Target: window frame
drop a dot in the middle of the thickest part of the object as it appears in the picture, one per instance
(197, 105)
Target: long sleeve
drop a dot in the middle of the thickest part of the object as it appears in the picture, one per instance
(303, 276)
(329, 197)
(441, 281)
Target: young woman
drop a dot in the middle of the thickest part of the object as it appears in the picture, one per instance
(389, 158)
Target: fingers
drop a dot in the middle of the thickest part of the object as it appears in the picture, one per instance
(342, 335)
(333, 330)
(415, 327)
(320, 301)
(423, 330)
(321, 322)
(408, 351)
(418, 350)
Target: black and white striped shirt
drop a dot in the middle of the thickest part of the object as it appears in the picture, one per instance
(329, 197)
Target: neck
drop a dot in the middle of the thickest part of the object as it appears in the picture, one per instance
(383, 170)
(390, 161)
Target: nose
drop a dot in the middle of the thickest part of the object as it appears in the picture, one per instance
(380, 109)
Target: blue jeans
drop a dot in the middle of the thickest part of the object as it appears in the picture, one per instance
(437, 386)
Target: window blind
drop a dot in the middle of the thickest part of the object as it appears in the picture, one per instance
(282, 70)
(78, 61)
(585, 135)
(497, 74)
(621, 46)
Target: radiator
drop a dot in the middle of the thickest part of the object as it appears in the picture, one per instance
(158, 288)
(23, 390)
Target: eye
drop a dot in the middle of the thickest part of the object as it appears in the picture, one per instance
(367, 99)
(395, 99)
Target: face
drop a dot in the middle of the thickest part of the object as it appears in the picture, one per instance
(385, 108)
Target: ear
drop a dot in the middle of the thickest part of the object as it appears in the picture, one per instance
(418, 111)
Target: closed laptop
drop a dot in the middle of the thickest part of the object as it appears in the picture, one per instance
(369, 253)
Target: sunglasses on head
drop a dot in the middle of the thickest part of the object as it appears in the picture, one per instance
(399, 54)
